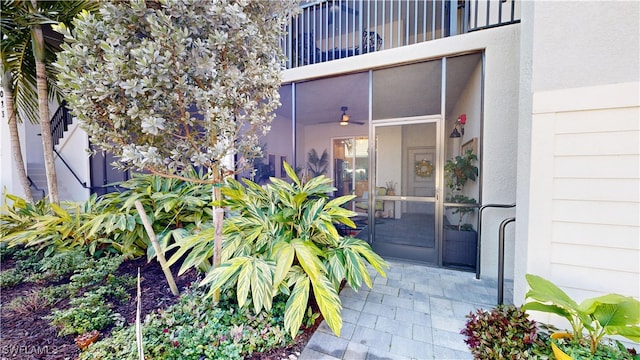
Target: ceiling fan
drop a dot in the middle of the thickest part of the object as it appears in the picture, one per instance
(345, 119)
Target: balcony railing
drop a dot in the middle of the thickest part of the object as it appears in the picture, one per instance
(327, 30)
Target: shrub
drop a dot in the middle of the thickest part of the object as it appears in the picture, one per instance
(47, 227)
(282, 240)
(92, 310)
(58, 266)
(504, 332)
(194, 328)
(10, 277)
(176, 208)
(86, 313)
(32, 302)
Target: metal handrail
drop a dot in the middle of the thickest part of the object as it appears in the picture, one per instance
(33, 185)
(503, 206)
(503, 224)
(83, 183)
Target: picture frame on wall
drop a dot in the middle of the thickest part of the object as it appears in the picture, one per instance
(471, 144)
(272, 165)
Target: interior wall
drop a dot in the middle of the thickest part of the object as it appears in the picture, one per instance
(388, 168)
(278, 144)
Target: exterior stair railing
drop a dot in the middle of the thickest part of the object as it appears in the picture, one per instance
(60, 122)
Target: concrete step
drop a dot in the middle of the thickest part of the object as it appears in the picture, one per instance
(38, 175)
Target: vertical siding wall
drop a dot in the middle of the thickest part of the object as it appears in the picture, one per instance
(584, 225)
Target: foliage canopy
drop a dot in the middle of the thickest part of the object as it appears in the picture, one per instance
(166, 85)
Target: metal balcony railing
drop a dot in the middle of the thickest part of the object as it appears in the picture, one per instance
(327, 30)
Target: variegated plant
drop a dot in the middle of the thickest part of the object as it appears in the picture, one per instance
(282, 240)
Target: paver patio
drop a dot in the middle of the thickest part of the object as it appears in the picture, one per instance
(417, 312)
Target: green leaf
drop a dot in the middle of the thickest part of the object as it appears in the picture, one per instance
(262, 285)
(328, 302)
(553, 309)
(283, 253)
(223, 274)
(296, 305)
(308, 257)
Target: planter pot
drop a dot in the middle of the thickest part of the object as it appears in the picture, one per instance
(559, 354)
(460, 248)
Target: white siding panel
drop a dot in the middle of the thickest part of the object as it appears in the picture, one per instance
(597, 189)
(599, 281)
(604, 120)
(607, 167)
(624, 237)
(596, 212)
(605, 143)
(593, 257)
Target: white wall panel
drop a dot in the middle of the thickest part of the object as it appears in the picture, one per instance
(572, 277)
(596, 189)
(605, 167)
(624, 237)
(595, 257)
(584, 212)
(597, 143)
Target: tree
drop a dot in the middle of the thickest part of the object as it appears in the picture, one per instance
(168, 85)
(29, 80)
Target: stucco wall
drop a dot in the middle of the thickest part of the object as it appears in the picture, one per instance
(585, 43)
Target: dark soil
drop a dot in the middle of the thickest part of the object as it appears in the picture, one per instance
(27, 335)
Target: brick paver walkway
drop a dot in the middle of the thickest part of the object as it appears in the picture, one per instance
(417, 312)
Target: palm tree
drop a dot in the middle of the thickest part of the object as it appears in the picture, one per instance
(29, 79)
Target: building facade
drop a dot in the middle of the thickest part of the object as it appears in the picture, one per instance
(545, 94)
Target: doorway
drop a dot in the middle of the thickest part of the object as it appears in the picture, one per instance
(407, 167)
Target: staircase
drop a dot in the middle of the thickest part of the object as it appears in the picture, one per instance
(60, 122)
(38, 177)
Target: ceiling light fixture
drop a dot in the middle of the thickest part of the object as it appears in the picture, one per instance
(344, 120)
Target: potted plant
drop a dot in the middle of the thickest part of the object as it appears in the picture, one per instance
(391, 188)
(590, 321)
(460, 238)
(317, 165)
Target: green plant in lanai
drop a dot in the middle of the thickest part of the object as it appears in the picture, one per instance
(168, 85)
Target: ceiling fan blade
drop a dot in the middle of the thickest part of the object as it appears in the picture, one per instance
(357, 122)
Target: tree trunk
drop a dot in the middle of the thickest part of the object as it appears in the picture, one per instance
(15, 144)
(43, 110)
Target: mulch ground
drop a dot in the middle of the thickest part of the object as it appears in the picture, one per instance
(27, 335)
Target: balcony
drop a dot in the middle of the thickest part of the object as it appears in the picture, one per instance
(327, 30)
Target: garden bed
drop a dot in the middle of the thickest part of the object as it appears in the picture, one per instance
(26, 334)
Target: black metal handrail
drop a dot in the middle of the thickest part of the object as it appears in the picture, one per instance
(33, 185)
(83, 183)
(501, 206)
(327, 30)
(503, 225)
(60, 122)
